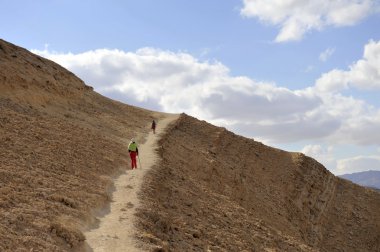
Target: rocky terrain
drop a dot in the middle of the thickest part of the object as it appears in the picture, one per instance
(217, 191)
(62, 144)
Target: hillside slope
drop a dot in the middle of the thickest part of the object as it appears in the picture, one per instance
(216, 191)
(61, 145)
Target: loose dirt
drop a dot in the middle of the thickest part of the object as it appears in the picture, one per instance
(217, 191)
(62, 145)
(116, 231)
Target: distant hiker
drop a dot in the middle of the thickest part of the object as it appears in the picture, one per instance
(133, 153)
(154, 126)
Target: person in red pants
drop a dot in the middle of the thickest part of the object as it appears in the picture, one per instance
(133, 153)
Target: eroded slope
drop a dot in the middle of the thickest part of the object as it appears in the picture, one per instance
(219, 191)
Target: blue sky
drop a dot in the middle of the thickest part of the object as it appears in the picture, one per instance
(299, 75)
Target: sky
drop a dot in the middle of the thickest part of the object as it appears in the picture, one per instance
(300, 75)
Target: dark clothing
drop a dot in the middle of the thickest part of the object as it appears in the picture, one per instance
(154, 127)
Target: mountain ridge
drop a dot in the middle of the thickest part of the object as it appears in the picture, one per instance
(63, 144)
(224, 192)
(369, 178)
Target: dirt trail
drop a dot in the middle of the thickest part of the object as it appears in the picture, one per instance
(116, 229)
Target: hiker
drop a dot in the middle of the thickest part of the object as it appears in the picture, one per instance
(133, 153)
(154, 126)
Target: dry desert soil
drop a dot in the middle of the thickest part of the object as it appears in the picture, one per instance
(66, 183)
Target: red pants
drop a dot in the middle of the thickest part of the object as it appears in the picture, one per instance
(133, 155)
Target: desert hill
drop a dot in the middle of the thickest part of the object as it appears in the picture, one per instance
(62, 144)
(366, 178)
(217, 191)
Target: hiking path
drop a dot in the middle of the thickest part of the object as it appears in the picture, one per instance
(116, 229)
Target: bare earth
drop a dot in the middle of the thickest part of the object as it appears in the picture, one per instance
(116, 231)
(62, 145)
(216, 191)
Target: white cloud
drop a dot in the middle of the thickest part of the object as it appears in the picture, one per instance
(363, 74)
(357, 164)
(324, 155)
(178, 82)
(326, 54)
(362, 130)
(358, 120)
(297, 17)
(312, 150)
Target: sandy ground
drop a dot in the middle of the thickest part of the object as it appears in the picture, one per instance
(61, 143)
(116, 229)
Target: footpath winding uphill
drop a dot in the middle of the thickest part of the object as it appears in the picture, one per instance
(116, 231)
(200, 187)
(61, 145)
